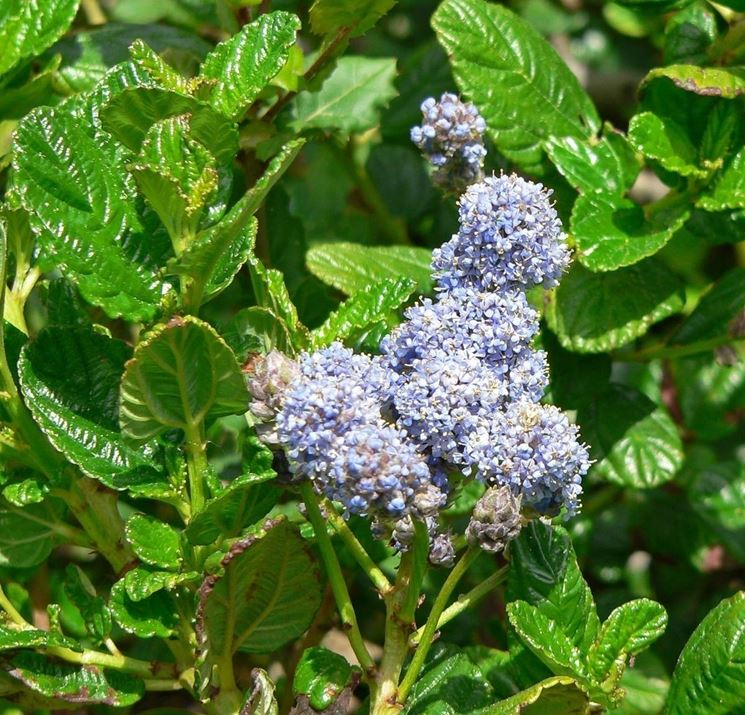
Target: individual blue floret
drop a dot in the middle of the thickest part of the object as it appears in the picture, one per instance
(534, 450)
(510, 236)
(332, 427)
(451, 137)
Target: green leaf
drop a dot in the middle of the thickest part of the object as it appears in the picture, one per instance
(689, 33)
(608, 166)
(597, 312)
(27, 491)
(719, 305)
(450, 684)
(87, 684)
(489, 46)
(93, 608)
(13, 639)
(260, 698)
(350, 267)
(560, 695)
(142, 582)
(70, 381)
(27, 27)
(545, 575)
(257, 330)
(321, 675)
(548, 639)
(665, 141)
(645, 687)
(728, 189)
(726, 82)
(350, 99)
(154, 616)
(243, 65)
(327, 16)
(87, 55)
(180, 374)
(155, 542)
(612, 232)
(266, 595)
(242, 504)
(367, 307)
(629, 629)
(28, 534)
(177, 175)
(717, 493)
(710, 674)
(83, 211)
(634, 441)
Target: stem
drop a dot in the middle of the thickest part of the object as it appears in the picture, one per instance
(336, 579)
(381, 583)
(420, 552)
(10, 609)
(464, 602)
(197, 466)
(430, 627)
(93, 12)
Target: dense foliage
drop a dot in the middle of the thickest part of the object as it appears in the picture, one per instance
(372, 357)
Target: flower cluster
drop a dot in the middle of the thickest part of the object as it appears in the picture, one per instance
(451, 136)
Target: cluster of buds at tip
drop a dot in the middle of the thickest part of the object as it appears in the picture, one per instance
(495, 520)
(269, 376)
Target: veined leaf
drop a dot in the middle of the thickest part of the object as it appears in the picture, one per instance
(321, 675)
(327, 16)
(154, 616)
(727, 82)
(28, 534)
(154, 541)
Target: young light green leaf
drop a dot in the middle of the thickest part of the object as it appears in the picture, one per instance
(634, 441)
(608, 166)
(180, 374)
(257, 330)
(350, 99)
(242, 504)
(321, 675)
(28, 534)
(27, 27)
(728, 189)
(266, 595)
(545, 575)
(328, 16)
(365, 308)
(350, 267)
(612, 232)
(243, 65)
(559, 695)
(719, 305)
(82, 206)
(629, 629)
(13, 638)
(586, 314)
(93, 608)
(154, 616)
(76, 684)
(142, 582)
(155, 542)
(727, 82)
(710, 674)
(489, 46)
(70, 380)
(27, 491)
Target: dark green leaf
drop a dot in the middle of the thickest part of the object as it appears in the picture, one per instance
(597, 312)
(242, 504)
(152, 616)
(83, 210)
(92, 608)
(327, 16)
(365, 308)
(155, 542)
(634, 441)
(727, 82)
(321, 675)
(180, 374)
(350, 98)
(70, 380)
(266, 595)
(489, 46)
(689, 33)
(85, 684)
(608, 166)
(710, 674)
(242, 66)
(28, 534)
(612, 232)
(629, 629)
(350, 267)
(257, 330)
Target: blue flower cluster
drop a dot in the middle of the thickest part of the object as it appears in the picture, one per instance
(334, 432)
(451, 136)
